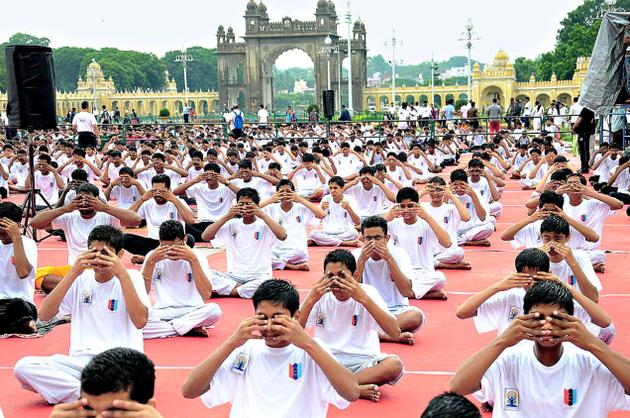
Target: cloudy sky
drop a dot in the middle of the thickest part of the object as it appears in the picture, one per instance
(521, 28)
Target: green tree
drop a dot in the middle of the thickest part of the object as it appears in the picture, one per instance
(378, 64)
(201, 73)
(26, 39)
(68, 68)
(524, 68)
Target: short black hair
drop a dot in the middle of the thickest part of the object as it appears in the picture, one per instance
(45, 157)
(374, 221)
(474, 163)
(107, 234)
(344, 257)
(551, 197)
(88, 188)
(277, 292)
(533, 258)
(548, 292)
(248, 192)
(120, 369)
(245, 165)
(11, 211)
(171, 230)
(308, 158)
(159, 156)
(559, 175)
(579, 176)
(555, 224)
(437, 180)
(126, 171)
(161, 179)
(285, 182)
(459, 175)
(366, 170)
(79, 174)
(407, 193)
(450, 405)
(339, 181)
(214, 167)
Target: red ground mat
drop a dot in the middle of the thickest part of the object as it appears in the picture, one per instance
(441, 345)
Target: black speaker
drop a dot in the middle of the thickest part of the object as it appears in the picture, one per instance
(31, 87)
(328, 99)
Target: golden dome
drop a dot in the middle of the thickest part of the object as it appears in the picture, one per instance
(94, 66)
(501, 56)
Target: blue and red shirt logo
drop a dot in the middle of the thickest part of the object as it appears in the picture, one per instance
(570, 397)
(295, 370)
(112, 305)
(355, 320)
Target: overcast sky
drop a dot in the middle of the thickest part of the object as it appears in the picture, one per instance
(521, 28)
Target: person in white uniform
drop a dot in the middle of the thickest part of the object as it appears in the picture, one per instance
(109, 307)
(249, 369)
(294, 213)
(348, 317)
(248, 234)
(479, 228)
(339, 224)
(562, 370)
(370, 194)
(181, 279)
(388, 269)
(414, 230)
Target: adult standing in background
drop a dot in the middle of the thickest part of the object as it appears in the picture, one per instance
(263, 116)
(344, 115)
(84, 123)
(494, 116)
(186, 113)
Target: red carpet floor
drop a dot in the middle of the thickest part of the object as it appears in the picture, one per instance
(441, 345)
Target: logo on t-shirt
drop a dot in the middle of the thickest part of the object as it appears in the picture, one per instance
(171, 215)
(467, 205)
(355, 320)
(420, 240)
(240, 364)
(446, 219)
(514, 311)
(320, 321)
(295, 370)
(299, 219)
(257, 236)
(511, 402)
(86, 297)
(12, 260)
(112, 305)
(572, 280)
(570, 397)
(189, 277)
(220, 200)
(374, 198)
(583, 218)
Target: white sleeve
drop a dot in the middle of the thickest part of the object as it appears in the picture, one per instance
(224, 233)
(380, 302)
(138, 283)
(223, 383)
(61, 222)
(328, 392)
(492, 379)
(69, 299)
(489, 314)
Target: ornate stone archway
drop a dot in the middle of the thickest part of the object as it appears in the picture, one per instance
(265, 41)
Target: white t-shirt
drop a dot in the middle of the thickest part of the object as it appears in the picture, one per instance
(263, 382)
(155, 214)
(100, 319)
(11, 286)
(347, 166)
(307, 179)
(377, 274)
(336, 216)
(577, 386)
(368, 202)
(263, 116)
(84, 121)
(447, 216)
(47, 185)
(247, 247)
(294, 221)
(347, 327)
(212, 204)
(66, 173)
(125, 196)
(174, 285)
(591, 213)
(482, 188)
(417, 239)
(77, 229)
(564, 272)
(19, 172)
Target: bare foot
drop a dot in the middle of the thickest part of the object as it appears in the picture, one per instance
(137, 259)
(406, 338)
(353, 243)
(198, 332)
(310, 243)
(300, 266)
(480, 243)
(599, 267)
(370, 392)
(435, 294)
(464, 265)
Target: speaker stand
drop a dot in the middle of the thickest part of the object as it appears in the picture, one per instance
(29, 207)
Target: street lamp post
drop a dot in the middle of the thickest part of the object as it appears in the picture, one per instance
(349, 22)
(469, 36)
(432, 80)
(184, 58)
(93, 73)
(395, 43)
(327, 50)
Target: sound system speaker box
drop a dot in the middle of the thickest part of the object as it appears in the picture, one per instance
(328, 98)
(31, 87)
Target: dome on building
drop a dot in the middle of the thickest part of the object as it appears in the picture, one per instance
(94, 66)
(252, 7)
(262, 9)
(501, 56)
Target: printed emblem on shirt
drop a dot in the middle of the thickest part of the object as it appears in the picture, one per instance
(257, 236)
(299, 219)
(514, 312)
(374, 198)
(189, 277)
(240, 364)
(467, 205)
(446, 219)
(583, 218)
(570, 397)
(355, 320)
(295, 371)
(572, 280)
(511, 401)
(86, 297)
(420, 240)
(171, 215)
(320, 321)
(112, 305)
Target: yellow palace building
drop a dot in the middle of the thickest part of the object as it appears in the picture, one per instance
(142, 101)
(494, 81)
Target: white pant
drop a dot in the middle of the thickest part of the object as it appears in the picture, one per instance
(476, 233)
(281, 255)
(57, 378)
(496, 209)
(224, 282)
(529, 183)
(424, 280)
(333, 237)
(164, 326)
(452, 255)
(597, 256)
